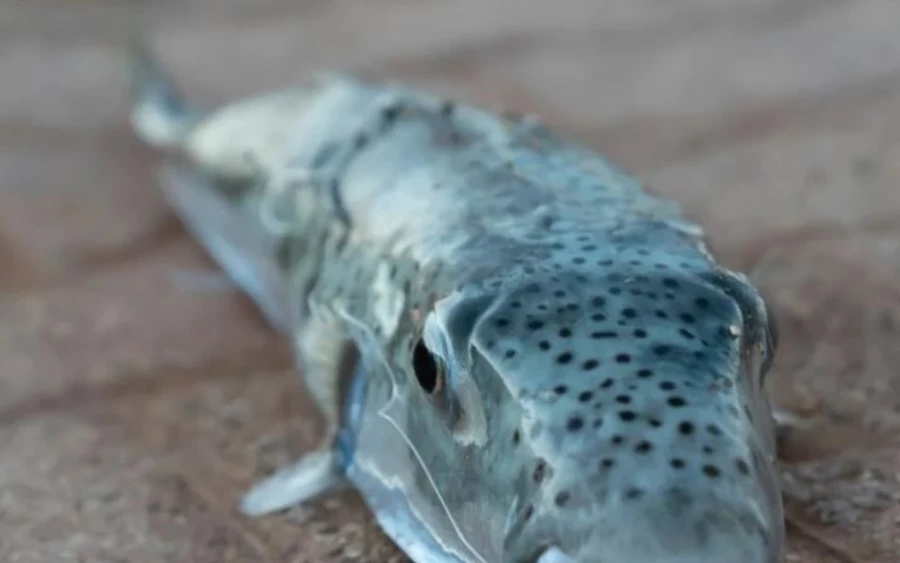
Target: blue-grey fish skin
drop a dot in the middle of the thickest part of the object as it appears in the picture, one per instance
(548, 357)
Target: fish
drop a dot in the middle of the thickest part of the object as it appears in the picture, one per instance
(522, 353)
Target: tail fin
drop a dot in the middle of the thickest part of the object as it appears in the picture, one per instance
(159, 114)
(234, 237)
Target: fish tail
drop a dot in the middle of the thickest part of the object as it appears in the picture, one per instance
(160, 116)
(206, 199)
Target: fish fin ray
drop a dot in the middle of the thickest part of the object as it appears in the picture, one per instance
(318, 473)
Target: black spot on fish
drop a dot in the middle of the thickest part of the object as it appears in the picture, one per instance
(676, 402)
(711, 471)
(390, 113)
(540, 471)
(633, 493)
(643, 447)
(603, 335)
(627, 416)
(447, 108)
(575, 424)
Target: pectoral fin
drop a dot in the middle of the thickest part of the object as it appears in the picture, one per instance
(317, 473)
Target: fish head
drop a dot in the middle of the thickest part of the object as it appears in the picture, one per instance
(612, 417)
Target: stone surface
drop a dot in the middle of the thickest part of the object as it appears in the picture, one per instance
(141, 395)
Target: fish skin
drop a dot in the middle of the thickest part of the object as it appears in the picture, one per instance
(518, 348)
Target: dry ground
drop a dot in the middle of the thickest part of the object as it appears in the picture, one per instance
(135, 406)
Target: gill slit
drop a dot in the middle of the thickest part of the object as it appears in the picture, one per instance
(382, 413)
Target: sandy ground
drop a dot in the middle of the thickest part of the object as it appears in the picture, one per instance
(135, 406)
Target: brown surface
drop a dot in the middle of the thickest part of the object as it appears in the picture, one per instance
(135, 408)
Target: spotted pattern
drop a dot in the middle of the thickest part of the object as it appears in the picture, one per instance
(604, 351)
(625, 359)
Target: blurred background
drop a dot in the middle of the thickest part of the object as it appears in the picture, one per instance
(140, 395)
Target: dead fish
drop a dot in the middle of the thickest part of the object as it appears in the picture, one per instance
(521, 352)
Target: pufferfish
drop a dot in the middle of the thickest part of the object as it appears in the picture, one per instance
(521, 353)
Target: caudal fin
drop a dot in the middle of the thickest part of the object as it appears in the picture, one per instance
(159, 114)
(208, 181)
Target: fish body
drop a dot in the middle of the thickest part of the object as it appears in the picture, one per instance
(522, 354)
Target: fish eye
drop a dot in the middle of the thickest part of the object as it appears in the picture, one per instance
(429, 369)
